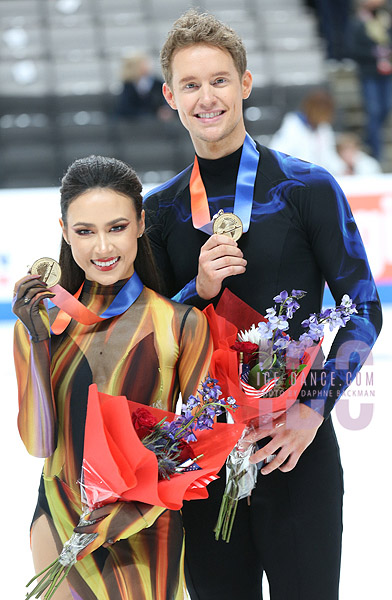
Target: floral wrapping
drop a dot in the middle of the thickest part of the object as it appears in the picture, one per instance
(137, 455)
(264, 350)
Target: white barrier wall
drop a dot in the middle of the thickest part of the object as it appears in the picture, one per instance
(28, 229)
(371, 202)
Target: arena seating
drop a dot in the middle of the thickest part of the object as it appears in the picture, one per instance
(60, 74)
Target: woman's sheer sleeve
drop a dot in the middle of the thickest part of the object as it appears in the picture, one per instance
(37, 420)
(195, 352)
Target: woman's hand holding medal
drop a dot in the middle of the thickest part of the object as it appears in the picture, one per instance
(220, 257)
(30, 291)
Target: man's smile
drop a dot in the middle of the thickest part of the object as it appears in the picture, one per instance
(210, 115)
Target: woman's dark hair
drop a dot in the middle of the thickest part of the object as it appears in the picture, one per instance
(102, 172)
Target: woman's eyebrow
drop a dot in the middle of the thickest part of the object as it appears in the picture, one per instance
(80, 223)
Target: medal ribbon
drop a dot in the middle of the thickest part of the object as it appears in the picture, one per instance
(71, 308)
(243, 198)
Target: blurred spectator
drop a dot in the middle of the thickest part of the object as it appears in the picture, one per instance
(333, 17)
(370, 42)
(356, 162)
(308, 133)
(141, 93)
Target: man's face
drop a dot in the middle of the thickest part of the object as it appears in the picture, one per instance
(207, 91)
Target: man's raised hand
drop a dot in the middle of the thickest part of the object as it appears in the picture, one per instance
(220, 257)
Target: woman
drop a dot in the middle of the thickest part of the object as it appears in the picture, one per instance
(149, 351)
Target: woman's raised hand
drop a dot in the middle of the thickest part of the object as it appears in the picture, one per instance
(28, 293)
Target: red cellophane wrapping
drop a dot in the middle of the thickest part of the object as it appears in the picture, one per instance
(117, 466)
(230, 316)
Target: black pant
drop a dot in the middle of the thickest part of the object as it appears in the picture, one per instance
(291, 530)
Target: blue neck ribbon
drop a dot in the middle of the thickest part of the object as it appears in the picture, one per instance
(125, 297)
(243, 198)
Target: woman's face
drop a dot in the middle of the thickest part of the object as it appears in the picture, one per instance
(103, 228)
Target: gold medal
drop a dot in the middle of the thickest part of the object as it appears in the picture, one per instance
(48, 269)
(227, 224)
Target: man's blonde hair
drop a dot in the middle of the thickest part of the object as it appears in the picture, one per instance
(201, 28)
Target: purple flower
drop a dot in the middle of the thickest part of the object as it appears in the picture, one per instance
(291, 306)
(316, 331)
(211, 411)
(231, 402)
(298, 293)
(282, 297)
(189, 436)
(184, 418)
(270, 313)
(295, 349)
(289, 303)
(347, 304)
(277, 321)
(282, 324)
(335, 319)
(281, 343)
(313, 318)
(210, 389)
(204, 422)
(266, 330)
(306, 340)
(186, 411)
(170, 429)
(192, 402)
(325, 314)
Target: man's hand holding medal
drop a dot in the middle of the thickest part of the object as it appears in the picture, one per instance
(220, 257)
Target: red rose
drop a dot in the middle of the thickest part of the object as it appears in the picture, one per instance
(185, 451)
(249, 350)
(143, 422)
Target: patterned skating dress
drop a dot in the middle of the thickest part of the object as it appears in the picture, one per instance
(153, 350)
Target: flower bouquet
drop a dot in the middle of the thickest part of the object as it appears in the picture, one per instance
(138, 453)
(265, 369)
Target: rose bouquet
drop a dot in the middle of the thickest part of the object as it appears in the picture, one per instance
(265, 369)
(144, 454)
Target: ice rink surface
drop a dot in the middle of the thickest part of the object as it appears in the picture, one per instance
(362, 423)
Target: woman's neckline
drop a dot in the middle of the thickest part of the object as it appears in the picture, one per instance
(95, 288)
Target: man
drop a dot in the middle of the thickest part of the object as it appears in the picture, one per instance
(298, 232)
